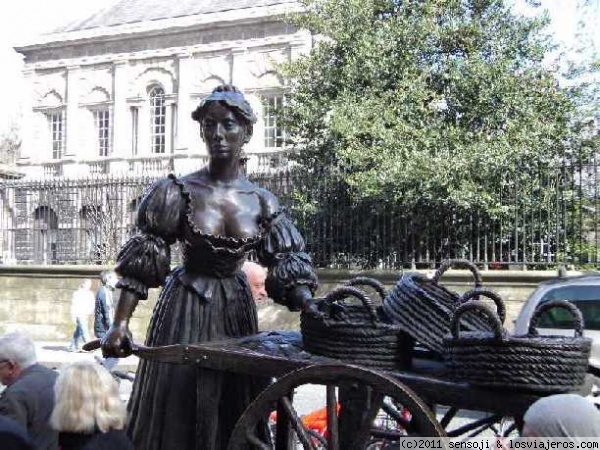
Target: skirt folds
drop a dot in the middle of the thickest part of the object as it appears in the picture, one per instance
(176, 407)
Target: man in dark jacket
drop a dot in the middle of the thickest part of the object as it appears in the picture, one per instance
(104, 312)
(29, 395)
(104, 304)
(13, 436)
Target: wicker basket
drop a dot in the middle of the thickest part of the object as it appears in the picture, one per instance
(527, 362)
(367, 281)
(354, 333)
(424, 308)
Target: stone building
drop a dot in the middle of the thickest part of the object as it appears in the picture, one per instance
(113, 93)
(110, 101)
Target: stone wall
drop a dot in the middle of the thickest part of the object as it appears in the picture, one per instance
(37, 298)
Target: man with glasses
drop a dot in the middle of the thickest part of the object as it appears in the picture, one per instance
(29, 395)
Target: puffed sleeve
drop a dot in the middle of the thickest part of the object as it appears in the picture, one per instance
(145, 260)
(282, 251)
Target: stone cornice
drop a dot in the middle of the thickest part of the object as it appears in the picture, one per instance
(159, 27)
(188, 51)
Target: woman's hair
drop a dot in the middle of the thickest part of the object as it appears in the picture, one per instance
(87, 399)
(563, 415)
(230, 96)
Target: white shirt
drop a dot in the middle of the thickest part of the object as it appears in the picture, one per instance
(82, 304)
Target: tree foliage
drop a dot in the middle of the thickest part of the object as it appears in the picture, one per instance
(427, 100)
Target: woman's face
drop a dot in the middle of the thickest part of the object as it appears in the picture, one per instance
(223, 133)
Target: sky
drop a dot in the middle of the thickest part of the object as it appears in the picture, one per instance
(22, 20)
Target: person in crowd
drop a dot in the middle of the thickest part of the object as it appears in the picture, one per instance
(89, 413)
(14, 436)
(103, 312)
(256, 275)
(218, 216)
(82, 307)
(29, 395)
(562, 415)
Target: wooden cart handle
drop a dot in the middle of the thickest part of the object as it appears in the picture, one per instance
(177, 353)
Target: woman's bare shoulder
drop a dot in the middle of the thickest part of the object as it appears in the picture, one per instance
(269, 202)
(199, 176)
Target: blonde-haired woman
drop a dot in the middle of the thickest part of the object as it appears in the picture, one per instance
(88, 413)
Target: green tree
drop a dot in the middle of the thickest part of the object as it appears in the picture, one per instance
(442, 106)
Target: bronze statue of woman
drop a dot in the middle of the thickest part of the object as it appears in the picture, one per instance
(217, 215)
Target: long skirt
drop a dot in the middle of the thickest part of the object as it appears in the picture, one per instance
(183, 407)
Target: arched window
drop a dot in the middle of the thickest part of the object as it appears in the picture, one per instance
(53, 108)
(98, 100)
(158, 116)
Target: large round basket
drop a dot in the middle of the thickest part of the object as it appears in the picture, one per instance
(525, 362)
(354, 333)
(423, 307)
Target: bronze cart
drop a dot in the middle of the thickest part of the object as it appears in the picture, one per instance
(279, 354)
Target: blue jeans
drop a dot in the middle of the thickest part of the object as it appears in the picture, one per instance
(80, 333)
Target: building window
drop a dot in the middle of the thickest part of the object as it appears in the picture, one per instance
(102, 124)
(57, 125)
(158, 113)
(134, 130)
(274, 132)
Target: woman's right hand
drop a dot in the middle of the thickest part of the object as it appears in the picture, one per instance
(117, 342)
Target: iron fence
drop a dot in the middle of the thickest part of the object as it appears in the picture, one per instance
(553, 220)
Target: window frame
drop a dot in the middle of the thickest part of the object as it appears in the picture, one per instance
(158, 130)
(103, 144)
(274, 134)
(58, 134)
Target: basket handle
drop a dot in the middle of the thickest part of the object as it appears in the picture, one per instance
(564, 304)
(342, 292)
(476, 305)
(464, 263)
(368, 281)
(477, 292)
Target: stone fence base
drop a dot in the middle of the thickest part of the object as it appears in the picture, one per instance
(37, 299)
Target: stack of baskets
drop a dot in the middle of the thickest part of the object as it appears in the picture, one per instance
(463, 330)
(528, 362)
(423, 308)
(355, 333)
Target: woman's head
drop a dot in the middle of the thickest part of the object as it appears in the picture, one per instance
(87, 398)
(562, 415)
(231, 98)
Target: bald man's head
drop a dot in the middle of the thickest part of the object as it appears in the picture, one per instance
(256, 275)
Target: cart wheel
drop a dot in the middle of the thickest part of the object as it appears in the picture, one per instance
(363, 396)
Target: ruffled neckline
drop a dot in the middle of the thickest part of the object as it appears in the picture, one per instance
(218, 239)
